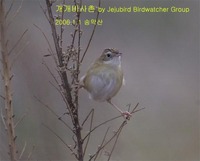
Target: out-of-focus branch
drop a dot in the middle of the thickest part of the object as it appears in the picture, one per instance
(22, 152)
(18, 54)
(2, 96)
(7, 13)
(93, 31)
(21, 37)
(31, 152)
(15, 14)
(50, 48)
(9, 116)
(20, 120)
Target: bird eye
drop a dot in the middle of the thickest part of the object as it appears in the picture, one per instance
(108, 55)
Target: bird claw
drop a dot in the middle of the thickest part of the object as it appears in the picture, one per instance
(127, 115)
(77, 86)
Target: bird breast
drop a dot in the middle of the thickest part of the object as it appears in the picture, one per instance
(103, 83)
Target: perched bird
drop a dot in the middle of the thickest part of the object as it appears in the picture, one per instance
(105, 77)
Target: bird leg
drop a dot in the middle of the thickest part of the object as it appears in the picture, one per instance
(77, 85)
(125, 113)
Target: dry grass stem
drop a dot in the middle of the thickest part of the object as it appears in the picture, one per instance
(23, 150)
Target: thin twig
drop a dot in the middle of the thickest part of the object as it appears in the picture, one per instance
(68, 146)
(120, 128)
(18, 41)
(92, 110)
(104, 138)
(103, 123)
(7, 13)
(22, 152)
(51, 73)
(106, 143)
(50, 109)
(117, 137)
(63, 97)
(61, 93)
(61, 26)
(88, 139)
(51, 50)
(136, 106)
(90, 40)
(76, 74)
(44, 11)
(18, 54)
(20, 120)
(133, 111)
(16, 13)
(30, 154)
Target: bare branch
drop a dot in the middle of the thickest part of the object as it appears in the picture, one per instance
(9, 115)
(106, 143)
(7, 13)
(117, 136)
(64, 75)
(18, 54)
(51, 50)
(104, 138)
(90, 40)
(50, 109)
(30, 154)
(51, 73)
(22, 152)
(18, 41)
(2, 97)
(91, 111)
(103, 123)
(88, 139)
(136, 106)
(16, 13)
(134, 110)
(68, 146)
(61, 93)
(61, 26)
(44, 11)
(64, 99)
(20, 120)
(109, 120)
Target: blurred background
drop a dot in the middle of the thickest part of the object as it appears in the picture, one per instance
(161, 68)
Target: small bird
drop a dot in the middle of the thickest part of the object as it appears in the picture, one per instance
(105, 77)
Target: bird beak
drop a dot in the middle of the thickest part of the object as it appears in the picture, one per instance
(119, 54)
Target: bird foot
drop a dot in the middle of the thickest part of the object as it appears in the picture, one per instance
(127, 115)
(77, 85)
